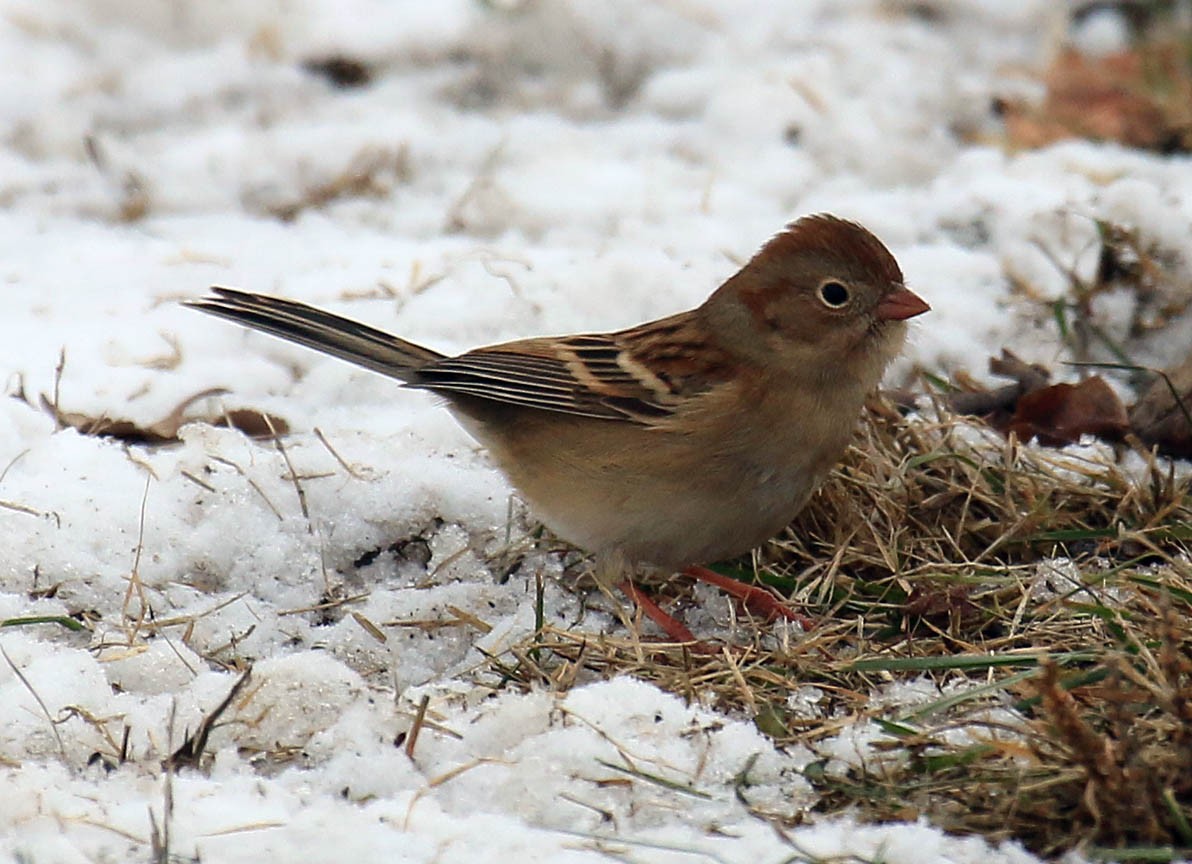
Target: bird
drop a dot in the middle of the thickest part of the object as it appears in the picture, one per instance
(677, 443)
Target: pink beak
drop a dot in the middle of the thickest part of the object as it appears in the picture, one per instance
(900, 304)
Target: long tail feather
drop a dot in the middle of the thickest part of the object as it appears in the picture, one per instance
(332, 334)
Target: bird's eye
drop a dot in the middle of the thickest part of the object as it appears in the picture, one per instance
(833, 294)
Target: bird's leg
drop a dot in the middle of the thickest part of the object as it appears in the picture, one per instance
(670, 625)
(612, 569)
(757, 600)
(609, 570)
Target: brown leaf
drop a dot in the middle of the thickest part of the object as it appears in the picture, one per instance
(1139, 98)
(1162, 416)
(997, 405)
(1061, 413)
(936, 601)
(255, 424)
(340, 70)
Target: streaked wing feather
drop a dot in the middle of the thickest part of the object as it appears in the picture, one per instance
(518, 379)
(642, 375)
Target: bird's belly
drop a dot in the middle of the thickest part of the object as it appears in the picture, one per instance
(713, 527)
(655, 497)
(669, 518)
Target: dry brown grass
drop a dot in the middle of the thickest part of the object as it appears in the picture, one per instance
(1047, 596)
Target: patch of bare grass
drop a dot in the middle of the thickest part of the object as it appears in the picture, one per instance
(1045, 594)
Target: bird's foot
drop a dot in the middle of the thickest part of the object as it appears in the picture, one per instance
(671, 626)
(757, 600)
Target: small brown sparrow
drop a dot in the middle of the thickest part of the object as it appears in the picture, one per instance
(680, 442)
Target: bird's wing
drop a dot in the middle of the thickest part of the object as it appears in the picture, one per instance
(642, 375)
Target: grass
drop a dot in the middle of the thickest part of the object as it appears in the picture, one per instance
(1046, 596)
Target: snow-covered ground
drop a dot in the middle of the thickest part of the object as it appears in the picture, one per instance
(536, 167)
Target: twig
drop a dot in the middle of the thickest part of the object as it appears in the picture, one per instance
(191, 751)
(134, 577)
(293, 474)
(58, 386)
(347, 466)
(256, 488)
(49, 717)
(416, 728)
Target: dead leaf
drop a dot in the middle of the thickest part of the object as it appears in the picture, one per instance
(340, 70)
(1163, 416)
(1061, 413)
(1140, 98)
(255, 424)
(926, 601)
(998, 405)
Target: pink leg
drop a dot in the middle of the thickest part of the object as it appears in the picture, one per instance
(669, 624)
(757, 600)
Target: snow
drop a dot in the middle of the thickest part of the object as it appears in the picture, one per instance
(548, 167)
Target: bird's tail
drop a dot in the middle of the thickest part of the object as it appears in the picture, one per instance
(332, 334)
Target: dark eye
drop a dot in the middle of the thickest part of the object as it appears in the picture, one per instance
(834, 294)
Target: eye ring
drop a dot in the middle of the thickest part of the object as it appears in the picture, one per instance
(834, 294)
